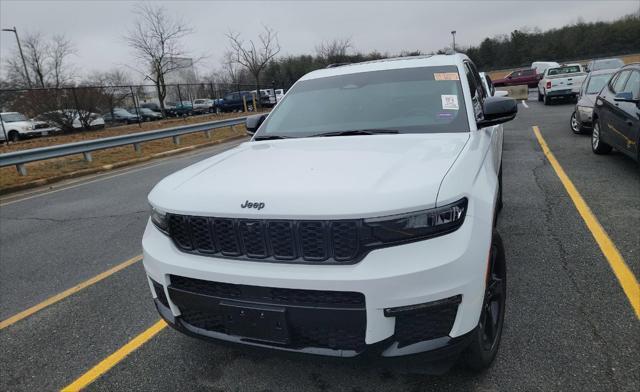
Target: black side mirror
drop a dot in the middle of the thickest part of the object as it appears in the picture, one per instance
(498, 110)
(253, 123)
(625, 96)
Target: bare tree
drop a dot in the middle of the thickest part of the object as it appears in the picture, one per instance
(156, 41)
(112, 92)
(59, 50)
(255, 56)
(334, 51)
(230, 68)
(47, 61)
(36, 53)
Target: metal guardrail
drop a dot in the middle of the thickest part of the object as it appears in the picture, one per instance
(20, 158)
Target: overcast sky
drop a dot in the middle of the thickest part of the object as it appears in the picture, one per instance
(97, 27)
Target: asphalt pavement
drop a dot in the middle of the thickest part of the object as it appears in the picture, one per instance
(569, 325)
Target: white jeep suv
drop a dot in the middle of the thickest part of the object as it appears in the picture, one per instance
(359, 218)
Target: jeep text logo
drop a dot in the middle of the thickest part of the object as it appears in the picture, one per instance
(256, 205)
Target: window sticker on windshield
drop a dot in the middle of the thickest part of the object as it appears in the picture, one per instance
(446, 76)
(450, 102)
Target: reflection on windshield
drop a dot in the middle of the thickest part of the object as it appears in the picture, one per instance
(608, 64)
(13, 117)
(409, 100)
(564, 70)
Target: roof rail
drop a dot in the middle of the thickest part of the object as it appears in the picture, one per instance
(334, 65)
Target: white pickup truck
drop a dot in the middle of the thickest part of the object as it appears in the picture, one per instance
(16, 126)
(561, 82)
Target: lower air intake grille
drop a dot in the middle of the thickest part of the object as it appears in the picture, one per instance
(272, 295)
(315, 318)
(157, 287)
(426, 324)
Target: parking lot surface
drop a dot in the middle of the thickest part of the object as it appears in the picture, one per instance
(569, 325)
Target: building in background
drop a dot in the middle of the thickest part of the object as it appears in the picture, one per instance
(183, 75)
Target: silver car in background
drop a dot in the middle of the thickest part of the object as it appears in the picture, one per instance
(581, 118)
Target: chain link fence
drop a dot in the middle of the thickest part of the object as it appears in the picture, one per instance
(82, 108)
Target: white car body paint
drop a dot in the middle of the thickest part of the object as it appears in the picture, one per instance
(349, 177)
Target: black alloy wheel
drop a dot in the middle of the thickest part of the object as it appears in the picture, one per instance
(486, 339)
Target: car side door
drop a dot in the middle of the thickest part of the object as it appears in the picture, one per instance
(514, 78)
(609, 111)
(528, 76)
(626, 117)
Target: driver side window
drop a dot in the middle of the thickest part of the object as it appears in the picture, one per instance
(617, 85)
(477, 92)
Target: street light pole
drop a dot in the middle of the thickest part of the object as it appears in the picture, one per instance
(24, 63)
(453, 34)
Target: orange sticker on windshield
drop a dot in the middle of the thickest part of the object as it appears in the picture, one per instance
(446, 76)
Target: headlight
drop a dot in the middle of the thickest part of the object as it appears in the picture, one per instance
(586, 110)
(159, 220)
(418, 225)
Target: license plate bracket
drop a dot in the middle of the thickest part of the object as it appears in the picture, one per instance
(256, 321)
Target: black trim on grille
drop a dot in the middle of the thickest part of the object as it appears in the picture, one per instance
(313, 242)
(299, 241)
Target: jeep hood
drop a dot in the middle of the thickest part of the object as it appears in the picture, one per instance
(311, 178)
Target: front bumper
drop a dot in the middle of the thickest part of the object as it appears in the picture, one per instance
(426, 272)
(584, 115)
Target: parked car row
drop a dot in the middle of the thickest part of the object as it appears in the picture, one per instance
(554, 80)
(609, 106)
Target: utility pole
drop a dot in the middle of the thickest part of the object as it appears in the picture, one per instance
(453, 34)
(24, 63)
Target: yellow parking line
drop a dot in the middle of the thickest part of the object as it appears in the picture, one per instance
(58, 297)
(113, 359)
(625, 277)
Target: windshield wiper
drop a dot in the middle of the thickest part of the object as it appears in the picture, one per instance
(355, 132)
(270, 137)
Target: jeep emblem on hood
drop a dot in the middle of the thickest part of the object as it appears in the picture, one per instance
(248, 204)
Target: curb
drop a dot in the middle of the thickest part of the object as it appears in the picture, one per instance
(111, 166)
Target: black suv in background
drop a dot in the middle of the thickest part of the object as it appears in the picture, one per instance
(616, 115)
(120, 115)
(233, 101)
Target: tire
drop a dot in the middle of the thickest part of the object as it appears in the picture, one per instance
(484, 345)
(13, 136)
(597, 145)
(575, 125)
(499, 203)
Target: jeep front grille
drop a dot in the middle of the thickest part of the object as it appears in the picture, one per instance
(310, 241)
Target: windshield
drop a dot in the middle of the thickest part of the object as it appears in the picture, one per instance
(607, 64)
(13, 117)
(597, 82)
(410, 100)
(564, 70)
